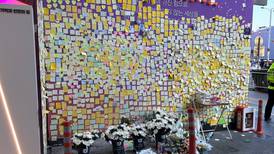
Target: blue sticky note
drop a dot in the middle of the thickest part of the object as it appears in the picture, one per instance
(101, 125)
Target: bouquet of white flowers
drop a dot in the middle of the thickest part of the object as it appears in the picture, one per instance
(117, 133)
(163, 123)
(138, 131)
(86, 138)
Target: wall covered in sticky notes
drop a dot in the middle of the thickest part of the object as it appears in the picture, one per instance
(107, 58)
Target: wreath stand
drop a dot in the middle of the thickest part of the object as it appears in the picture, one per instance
(201, 107)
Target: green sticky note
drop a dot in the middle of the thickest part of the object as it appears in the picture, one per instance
(222, 121)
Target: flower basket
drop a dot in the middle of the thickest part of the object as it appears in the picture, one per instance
(118, 147)
(82, 149)
(83, 141)
(138, 133)
(160, 136)
(117, 135)
(163, 124)
(138, 143)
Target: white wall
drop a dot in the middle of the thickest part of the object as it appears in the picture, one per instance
(18, 81)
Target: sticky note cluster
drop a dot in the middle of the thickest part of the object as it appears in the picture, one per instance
(107, 58)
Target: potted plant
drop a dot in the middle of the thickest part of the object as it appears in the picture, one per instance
(163, 124)
(138, 133)
(83, 141)
(117, 135)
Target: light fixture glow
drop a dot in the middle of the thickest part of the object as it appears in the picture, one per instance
(14, 2)
(3, 98)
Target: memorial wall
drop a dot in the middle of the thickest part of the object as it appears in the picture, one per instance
(102, 59)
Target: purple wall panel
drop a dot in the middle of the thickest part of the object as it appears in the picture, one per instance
(225, 8)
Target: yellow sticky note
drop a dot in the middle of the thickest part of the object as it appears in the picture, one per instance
(158, 20)
(97, 115)
(65, 113)
(166, 11)
(52, 17)
(58, 105)
(102, 120)
(68, 25)
(176, 27)
(158, 31)
(166, 28)
(149, 9)
(162, 14)
(145, 16)
(149, 16)
(129, 7)
(109, 9)
(98, 8)
(166, 34)
(65, 88)
(188, 21)
(118, 19)
(140, 5)
(144, 9)
(98, 120)
(171, 27)
(108, 2)
(149, 22)
(136, 27)
(84, 111)
(94, 25)
(74, 113)
(59, 16)
(158, 7)
(53, 66)
(74, 8)
(124, 6)
(189, 30)
(75, 16)
(127, 23)
(53, 31)
(47, 25)
(66, 98)
(64, 105)
(87, 122)
(198, 19)
(154, 20)
(97, 101)
(154, 15)
(133, 8)
(68, 8)
(139, 15)
(46, 11)
(48, 77)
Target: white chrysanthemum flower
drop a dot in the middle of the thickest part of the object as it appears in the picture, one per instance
(87, 143)
(76, 141)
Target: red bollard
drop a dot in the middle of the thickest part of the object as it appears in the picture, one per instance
(67, 138)
(260, 130)
(192, 138)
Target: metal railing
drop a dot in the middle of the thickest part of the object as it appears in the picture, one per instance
(258, 80)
